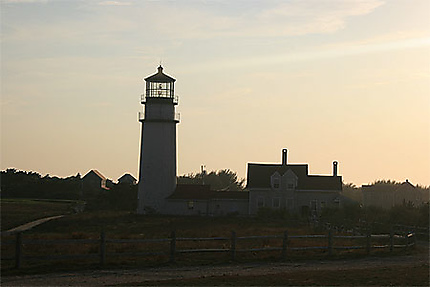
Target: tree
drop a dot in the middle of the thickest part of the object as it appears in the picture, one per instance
(224, 179)
(24, 184)
(351, 191)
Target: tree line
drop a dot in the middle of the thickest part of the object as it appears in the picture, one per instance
(354, 192)
(23, 184)
(29, 184)
(225, 180)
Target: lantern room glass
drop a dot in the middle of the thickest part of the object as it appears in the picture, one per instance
(160, 89)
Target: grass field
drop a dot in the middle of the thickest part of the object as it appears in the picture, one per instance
(15, 212)
(123, 224)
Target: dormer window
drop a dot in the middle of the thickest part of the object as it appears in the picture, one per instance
(275, 180)
(290, 179)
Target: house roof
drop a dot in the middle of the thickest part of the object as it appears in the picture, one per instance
(97, 173)
(406, 185)
(323, 182)
(160, 77)
(259, 174)
(203, 192)
(127, 176)
(259, 177)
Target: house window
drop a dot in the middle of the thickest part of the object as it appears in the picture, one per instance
(291, 183)
(276, 184)
(190, 204)
(260, 202)
(276, 202)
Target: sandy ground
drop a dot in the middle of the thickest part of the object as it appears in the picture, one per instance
(113, 277)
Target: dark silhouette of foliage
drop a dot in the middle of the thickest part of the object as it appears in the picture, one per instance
(351, 216)
(351, 191)
(224, 179)
(348, 216)
(22, 184)
(118, 197)
(266, 213)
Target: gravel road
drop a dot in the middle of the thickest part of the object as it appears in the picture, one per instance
(114, 277)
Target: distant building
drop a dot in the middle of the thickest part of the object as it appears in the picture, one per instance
(291, 187)
(388, 196)
(191, 199)
(127, 179)
(94, 180)
(274, 186)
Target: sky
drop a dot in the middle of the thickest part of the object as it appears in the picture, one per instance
(344, 80)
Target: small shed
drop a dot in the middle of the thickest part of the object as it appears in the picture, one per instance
(94, 180)
(127, 179)
(190, 199)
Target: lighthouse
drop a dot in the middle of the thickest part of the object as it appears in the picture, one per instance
(157, 170)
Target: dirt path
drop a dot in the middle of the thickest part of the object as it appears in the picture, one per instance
(114, 277)
(30, 225)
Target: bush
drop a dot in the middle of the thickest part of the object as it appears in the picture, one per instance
(275, 214)
(378, 218)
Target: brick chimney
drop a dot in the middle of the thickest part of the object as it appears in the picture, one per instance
(284, 156)
(335, 168)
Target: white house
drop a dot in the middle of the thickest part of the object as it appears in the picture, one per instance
(291, 187)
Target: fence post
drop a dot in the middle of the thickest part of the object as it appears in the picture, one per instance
(368, 241)
(391, 239)
(233, 246)
(172, 246)
(285, 245)
(330, 242)
(18, 250)
(102, 248)
(406, 241)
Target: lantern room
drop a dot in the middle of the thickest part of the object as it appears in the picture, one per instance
(160, 85)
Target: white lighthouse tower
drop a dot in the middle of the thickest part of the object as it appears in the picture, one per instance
(157, 177)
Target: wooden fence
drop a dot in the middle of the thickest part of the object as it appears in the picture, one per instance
(284, 245)
(419, 231)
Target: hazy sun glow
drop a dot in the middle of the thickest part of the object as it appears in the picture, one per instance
(329, 80)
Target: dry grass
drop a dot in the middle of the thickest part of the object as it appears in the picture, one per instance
(15, 212)
(127, 225)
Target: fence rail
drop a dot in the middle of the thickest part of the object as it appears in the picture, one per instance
(284, 243)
